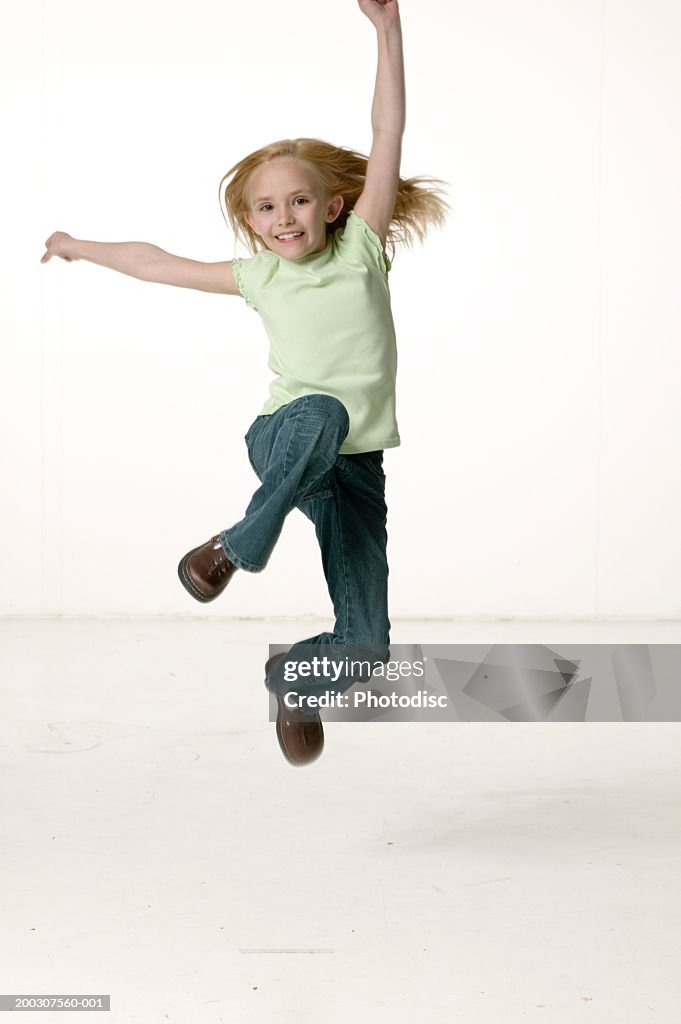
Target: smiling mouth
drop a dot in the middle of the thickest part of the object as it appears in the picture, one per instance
(290, 236)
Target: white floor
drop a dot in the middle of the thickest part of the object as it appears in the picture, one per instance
(157, 847)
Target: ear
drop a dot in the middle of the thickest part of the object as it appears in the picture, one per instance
(334, 208)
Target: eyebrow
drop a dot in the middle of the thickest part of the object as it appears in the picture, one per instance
(296, 192)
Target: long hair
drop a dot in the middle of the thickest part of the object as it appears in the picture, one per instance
(418, 206)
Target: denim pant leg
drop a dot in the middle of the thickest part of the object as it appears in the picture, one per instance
(292, 450)
(350, 521)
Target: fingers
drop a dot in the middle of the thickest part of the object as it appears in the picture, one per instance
(53, 245)
(48, 256)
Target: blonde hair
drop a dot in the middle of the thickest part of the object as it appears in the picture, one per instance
(340, 171)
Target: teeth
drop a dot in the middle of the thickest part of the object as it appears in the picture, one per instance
(293, 234)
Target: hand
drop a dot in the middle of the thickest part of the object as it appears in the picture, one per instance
(59, 244)
(380, 12)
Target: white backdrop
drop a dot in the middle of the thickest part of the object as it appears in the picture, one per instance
(539, 332)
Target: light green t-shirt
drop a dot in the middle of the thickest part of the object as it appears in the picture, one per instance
(330, 326)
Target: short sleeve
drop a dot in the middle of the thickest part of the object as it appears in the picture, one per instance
(359, 241)
(239, 275)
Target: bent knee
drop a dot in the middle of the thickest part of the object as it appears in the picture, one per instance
(331, 408)
(327, 404)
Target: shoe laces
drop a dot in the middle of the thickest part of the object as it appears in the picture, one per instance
(221, 564)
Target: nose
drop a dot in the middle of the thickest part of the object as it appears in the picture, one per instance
(285, 217)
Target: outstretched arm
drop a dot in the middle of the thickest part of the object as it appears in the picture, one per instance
(145, 262)
(376, 204)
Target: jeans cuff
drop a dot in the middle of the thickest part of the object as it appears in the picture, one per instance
(236, 560)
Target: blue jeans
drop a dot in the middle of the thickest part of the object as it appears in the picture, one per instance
(294, 452)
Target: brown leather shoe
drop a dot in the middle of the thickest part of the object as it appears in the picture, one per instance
(205, 571)
(301, 737)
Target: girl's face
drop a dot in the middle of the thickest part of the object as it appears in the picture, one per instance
(285, 198)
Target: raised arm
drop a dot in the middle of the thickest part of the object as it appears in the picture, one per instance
(376, 204)
(145, 262)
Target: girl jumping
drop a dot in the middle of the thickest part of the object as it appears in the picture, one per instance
(317, 218)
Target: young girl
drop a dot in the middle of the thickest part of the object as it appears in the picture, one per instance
(317, 218)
